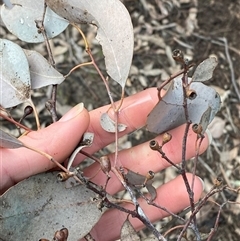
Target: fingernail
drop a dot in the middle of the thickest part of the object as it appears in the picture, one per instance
(76, 110)
(147, 97)
(209, 136)
(142, 102)
(203, 184)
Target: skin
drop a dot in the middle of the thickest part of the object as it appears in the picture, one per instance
(60, 138)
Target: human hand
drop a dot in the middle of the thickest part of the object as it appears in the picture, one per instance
(60, 138)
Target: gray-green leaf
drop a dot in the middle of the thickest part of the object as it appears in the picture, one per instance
(8, 141)
(169, 112)
(20, 20)
(41, 72)
(204, 70)
(38, 206)
(14, 75)
(115, 31)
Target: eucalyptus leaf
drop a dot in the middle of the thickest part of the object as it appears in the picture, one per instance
(9, 141)
(8, 3)
(86, 142)
(41, 72)
(14, 75)
(115, 31)
(138, 181)
(40, 205)
(21, 20)
(204, 122)
(109, 125)
(169, 112)
(128, 233)
(204, 70)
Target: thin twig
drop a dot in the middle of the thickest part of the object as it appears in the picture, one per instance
(169, 79)
(172, 229)
(35, 113)
(167, 211)
(198, 207)
(41, 29)
(76, 67)
(231, 67)
(184, 149)
(116, 117)
(214, 229)
(237, 51)
(116, 139)
(14, 122)
(197, 150)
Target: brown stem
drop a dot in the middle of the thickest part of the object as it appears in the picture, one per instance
(14, 122)
(197, 149)
(41, 29)
(53, 101)
(214, 229)
(198, 207)
(171, 78)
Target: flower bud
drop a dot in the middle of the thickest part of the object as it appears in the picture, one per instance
(166, 138)
(217, 181)
(105, 164)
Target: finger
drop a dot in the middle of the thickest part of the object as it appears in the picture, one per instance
(142, 159)
(58, 140)
(172, 195)
(133, 113)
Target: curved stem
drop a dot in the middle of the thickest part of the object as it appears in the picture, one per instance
(83, 36)
(76, 67)
(121, 100)
(35, 113)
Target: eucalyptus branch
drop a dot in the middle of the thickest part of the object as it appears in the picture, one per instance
(184, 148)
(105, 81)
(14, 122)
(51, 105)
(197, 149)
(167, 211)
(214, 229)
(170, 79)
(198, 207)
(156, 147)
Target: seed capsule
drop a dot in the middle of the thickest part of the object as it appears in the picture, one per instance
(63, 176)
(218, 181)
(191, 94)
(178, 55)
(197, 128)
(28, 110)
(61, 235)
(154, 145)
(150, 175)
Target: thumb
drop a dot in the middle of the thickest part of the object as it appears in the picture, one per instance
(58, 140)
